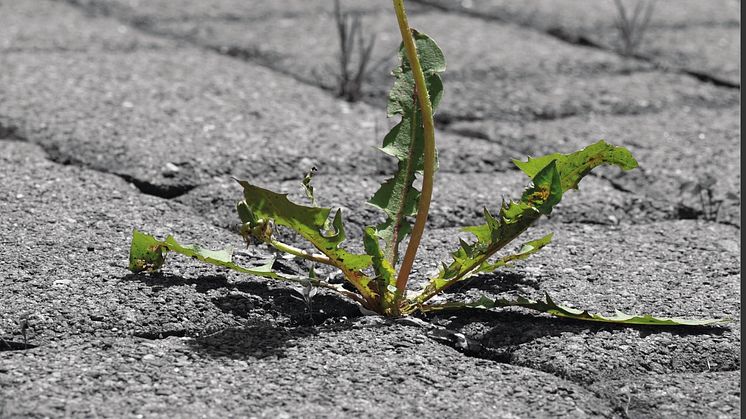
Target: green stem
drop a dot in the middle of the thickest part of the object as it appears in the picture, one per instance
(338, 288)
(425, 296)
(429, 149)
(300, 252)
(354, 277)
(422, 298)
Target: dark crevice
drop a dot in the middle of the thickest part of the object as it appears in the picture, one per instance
(697, 74)
(583, 41)
(10, 133)
(254, 55)
(728, 223)
(685, 212)
(615, 184)
(445, 119)
(148, 188)
(159, 190)
(55, 155)
(162, 334)
(709, 78)
(572, 38)
(10, 345)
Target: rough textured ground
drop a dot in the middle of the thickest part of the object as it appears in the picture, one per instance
(122, 114)
(689, 35)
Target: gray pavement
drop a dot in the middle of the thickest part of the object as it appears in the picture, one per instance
(122, 114)
(692, 36)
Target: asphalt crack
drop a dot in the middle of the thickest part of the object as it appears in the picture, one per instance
(159, 190)
(10, 345)
(53, 154)
(10, 133)
(579, 39)
(165, 191)
(162, 334)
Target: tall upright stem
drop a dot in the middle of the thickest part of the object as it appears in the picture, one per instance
(429, 148)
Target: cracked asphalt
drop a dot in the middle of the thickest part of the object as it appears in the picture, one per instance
(122, 114)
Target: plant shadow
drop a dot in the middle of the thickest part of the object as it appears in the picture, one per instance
(257, 339)
(495, 282)
(508, 328)
(496, 334)
(259, 295)
(10, 345)
(272, 314)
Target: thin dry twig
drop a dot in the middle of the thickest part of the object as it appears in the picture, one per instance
(632, 28)
(352, 41)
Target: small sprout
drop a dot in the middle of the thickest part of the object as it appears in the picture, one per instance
(308, 187)
(307, 291)
(352, 41)
(23, 325)
(256, 230)
(632, 28)
(703, 191)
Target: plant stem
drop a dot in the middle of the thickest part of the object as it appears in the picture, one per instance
(422, 298)
(300, 252)
(338, 288)
(353, 276)
(496, 247)
(429, 148)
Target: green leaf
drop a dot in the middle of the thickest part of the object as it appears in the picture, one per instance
(551, 176)
(385, 274)
(397, 197)
(471, 259)
(526, 250)
(309, 222)
(402, 97)
(308, 186)
(149, 253)
(558, 310)
(546, 191)
(573, 167)
(146, 253)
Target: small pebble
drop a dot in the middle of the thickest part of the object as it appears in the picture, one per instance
(61, 282)
(170, 170)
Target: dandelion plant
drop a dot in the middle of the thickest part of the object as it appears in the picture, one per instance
(378, 278)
